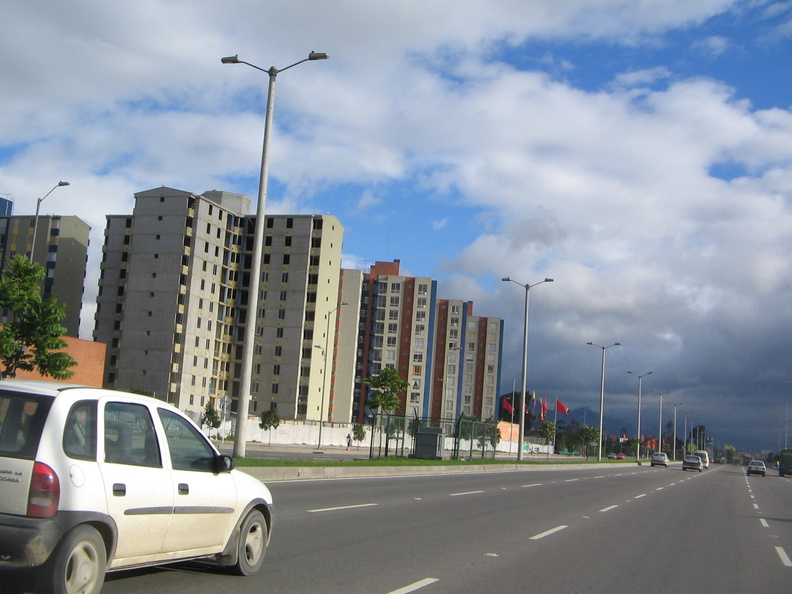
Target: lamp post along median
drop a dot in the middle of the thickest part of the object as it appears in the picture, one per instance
(60, 184)
(248, 344)
(638, 429)
(527, 287)
(602, 392)
(675, 429)
(324, 373)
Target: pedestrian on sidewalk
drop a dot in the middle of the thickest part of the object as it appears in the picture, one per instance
(349, 441)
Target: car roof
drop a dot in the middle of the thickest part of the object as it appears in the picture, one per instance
(40, 387)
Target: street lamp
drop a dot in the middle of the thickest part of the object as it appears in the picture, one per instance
(660, 425)
(638, 430)
(324, 373)
(248, 343)
(527, 287)
(675, 429)
(60, 184)
(602, 392)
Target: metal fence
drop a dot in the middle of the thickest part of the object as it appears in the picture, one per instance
(462, 438)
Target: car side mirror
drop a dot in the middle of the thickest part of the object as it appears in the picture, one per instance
(223, 463)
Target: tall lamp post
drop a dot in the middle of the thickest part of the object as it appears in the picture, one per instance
(638, 430)
(675, 430)
(60, 184)
(602, 392)
(527, 287)
(248, 344)
(324, 373)
(660, 422)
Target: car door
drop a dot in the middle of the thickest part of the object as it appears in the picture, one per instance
(137, 486)
(205, 501)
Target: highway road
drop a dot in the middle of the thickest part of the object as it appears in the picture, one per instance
(581, 529)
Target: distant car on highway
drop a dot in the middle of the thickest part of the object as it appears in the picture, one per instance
(621, 457)
(659, 459)
(693, 463)
(704, 457)
(611, 456)
(756, 467)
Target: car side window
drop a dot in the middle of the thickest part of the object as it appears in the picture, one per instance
(189, 449)
(129, 435)
(79, 432)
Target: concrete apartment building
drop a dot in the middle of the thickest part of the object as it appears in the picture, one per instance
(467, 362)
(450, 358)
(173, 294)
(61, 248)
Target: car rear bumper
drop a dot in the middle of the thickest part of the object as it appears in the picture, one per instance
(28, 542)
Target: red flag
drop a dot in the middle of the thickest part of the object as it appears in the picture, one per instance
(507, 406)
(560, 407)
(544, 407)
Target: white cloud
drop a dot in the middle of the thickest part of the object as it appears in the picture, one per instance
(415, 118)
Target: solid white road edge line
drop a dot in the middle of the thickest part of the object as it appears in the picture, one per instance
(415, 586)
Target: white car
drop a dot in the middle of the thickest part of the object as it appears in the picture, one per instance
(756, 467)
(659, 459)
(96, 480)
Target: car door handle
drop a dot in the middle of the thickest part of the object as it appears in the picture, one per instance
(184, 489)
(119, 489)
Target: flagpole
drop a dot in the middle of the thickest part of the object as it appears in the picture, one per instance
(511, 431)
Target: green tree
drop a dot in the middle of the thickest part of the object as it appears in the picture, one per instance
(269, 420)
(548, 431)
(589, 435)
(31, 339)
(210, 418)
(384, 389)
(358, 433)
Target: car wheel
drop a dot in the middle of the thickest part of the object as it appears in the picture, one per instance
(252, 544)
(78, 564)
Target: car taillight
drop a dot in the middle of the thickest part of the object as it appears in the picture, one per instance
(44, 492)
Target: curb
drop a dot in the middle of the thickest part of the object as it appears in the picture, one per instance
(295, 473)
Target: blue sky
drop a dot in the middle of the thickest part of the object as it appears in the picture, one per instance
(639, 152)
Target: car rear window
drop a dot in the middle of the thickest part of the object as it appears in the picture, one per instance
(22, 419)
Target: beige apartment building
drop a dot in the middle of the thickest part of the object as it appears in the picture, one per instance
(172, 302)
(61, 248)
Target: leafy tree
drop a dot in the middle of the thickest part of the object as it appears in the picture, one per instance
(358, 432)
(384, 389)
(31, 338)
(589, 435)
(548, 431)
(210, 418)
(269, 420)
(490, 435)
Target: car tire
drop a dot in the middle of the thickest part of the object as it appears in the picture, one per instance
(252, 544)
(78, 563)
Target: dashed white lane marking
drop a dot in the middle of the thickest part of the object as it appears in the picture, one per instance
(639, 496)
(415, 586)
(764, 523)
(548, 532)
(327, 509)
(756, 506)
(532, 485)
(571, 480)
(783, 556)
(465, 493)
(610, 507)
